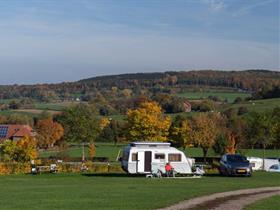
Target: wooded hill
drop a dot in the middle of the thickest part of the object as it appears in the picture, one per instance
(145, 84)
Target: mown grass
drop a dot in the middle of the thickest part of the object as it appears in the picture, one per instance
(230, 96)
(266, 204)
(115, 191)
(111, 151)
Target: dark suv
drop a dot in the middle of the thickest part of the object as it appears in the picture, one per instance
(234, 165)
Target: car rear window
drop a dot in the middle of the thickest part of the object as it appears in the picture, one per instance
(236, 158)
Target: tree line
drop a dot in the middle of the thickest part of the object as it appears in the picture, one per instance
(225, 132)
(148, 84)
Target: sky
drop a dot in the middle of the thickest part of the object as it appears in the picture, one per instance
(50, 41)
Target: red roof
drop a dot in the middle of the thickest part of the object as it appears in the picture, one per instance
(12, 131)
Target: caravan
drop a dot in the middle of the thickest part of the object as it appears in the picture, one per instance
(151, 157)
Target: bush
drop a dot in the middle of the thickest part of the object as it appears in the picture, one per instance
(242, 110)
(14, 168)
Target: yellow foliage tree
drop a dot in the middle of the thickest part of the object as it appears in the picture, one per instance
(205, 130)
(21, 151)
(147, 123)
(103, 123)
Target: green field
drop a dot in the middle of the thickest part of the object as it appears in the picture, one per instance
(54, 106)
(229, 95)
(111, 151)
(257, 105)
(265, 204)
(115, 191)
(102, 150)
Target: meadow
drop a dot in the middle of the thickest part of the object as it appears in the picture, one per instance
(111, 151)
(230, 96)
(257, 105)
(115, 191)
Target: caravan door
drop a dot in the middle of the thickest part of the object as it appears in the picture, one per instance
(141, 162)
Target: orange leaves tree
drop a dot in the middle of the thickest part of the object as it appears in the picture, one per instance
(49, 132)
(23, 150)
(147, 123)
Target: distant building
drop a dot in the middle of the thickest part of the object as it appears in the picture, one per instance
(15, 132)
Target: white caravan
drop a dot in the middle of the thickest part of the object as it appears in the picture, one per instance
(257, 163)
(149, 157)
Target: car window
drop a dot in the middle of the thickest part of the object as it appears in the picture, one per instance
(236, 158)
(273, 167)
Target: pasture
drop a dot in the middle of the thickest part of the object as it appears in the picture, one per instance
(111, 151)
(230, 96)
(115, 191)
(257, 105)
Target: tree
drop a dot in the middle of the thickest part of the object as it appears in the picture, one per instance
(221, 143)
(260, 130)
(205, 130)
(80, 124)
(147, 123)
(180, 132)
(49, 132)
(276, 127)
(19, 119)
(23, 150)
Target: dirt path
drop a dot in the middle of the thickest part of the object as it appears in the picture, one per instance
(233, 200)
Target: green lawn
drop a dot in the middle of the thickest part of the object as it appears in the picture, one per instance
(111, 151)
(229, 95)
(116, 191)
(266, 204)
(102, 150)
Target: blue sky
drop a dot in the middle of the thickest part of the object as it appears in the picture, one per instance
(67, 40)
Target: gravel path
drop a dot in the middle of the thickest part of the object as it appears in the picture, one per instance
(233, 200)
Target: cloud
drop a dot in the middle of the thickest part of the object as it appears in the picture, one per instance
(216, 5)
(247, 9)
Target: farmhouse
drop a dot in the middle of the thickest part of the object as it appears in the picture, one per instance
(15, 132)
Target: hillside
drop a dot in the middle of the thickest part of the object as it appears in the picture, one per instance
(144, 84)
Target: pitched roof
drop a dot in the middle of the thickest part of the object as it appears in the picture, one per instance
(11, 131)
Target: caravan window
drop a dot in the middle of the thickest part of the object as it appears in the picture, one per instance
(174, 157)
(134, 157)
(159, 156)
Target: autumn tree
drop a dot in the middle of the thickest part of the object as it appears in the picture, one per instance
(147, 123)
(49, 132)
(23, 150)
(205, 131)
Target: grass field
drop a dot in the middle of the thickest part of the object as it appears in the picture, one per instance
(111, 151)
(114, 191)
(54, 106)
(229, 95)
(257, 105)
(265, 204)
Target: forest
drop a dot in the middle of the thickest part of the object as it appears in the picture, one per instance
(253, 81)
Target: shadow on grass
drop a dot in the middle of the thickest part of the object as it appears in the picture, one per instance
(112, 175)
